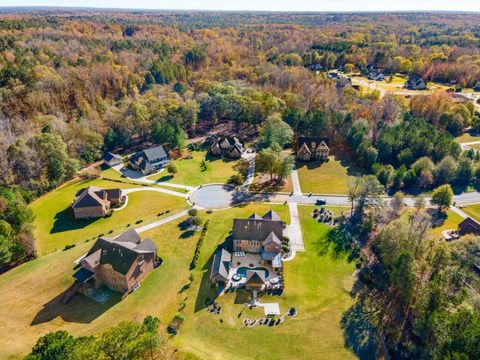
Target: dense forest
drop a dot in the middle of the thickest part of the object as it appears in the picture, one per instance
(74, 84)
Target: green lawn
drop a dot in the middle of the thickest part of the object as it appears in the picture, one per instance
(56, 227)
(190, 172)
(27, 314)
(316, 285)
(326, 178)
(473, 210)
(451, 222)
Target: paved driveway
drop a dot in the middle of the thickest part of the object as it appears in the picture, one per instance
(294, 230)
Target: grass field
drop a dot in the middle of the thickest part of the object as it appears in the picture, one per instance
(56, 227)
(475, 146)
(190, 172)
(261, 182)
(467, 137)
(315, 284)
(473, 210)
(325, 178)
(451, 222)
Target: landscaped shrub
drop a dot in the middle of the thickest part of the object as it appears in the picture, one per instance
(193, 263)
(138, 221)
(68, 247)
(108, 213)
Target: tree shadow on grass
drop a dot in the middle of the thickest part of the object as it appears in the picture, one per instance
(80, 309)
(338, 243)
(65, 221)
(164, 178)
(359, 332)
(206, 291)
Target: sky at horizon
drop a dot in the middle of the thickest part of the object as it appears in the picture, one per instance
(261, 5)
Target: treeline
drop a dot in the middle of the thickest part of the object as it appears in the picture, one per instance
(16, 230)
(127, 340)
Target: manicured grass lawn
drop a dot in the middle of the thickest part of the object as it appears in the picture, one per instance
(190, 172)
(26, 315)
(451, 222)
(326, 178)
(56, 227)
(262, 182)
(110, 174)
(316, 285)
(29, 294)
(473, 210)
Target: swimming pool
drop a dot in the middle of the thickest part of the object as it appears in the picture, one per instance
(242, 271)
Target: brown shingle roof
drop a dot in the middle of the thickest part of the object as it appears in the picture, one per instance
(120, 252)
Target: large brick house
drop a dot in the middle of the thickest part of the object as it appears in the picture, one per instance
(312, 148)
(255, 253)
(92, 201)
(150, 160)
(119, 263)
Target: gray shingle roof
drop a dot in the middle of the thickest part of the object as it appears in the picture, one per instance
(272, 238)
(221, 264)
(109, 156)
(271, 215)
(88, 197)
(129, 236)
(255, 277)
(146, 245)
(154, 153)
(254, 229)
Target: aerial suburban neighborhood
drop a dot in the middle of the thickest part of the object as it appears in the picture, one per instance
(239, 185)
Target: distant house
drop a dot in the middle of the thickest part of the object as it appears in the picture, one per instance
(469, 226)
(92, 202)
(312, 148)
(415, 82)
(229, 147)
(374, 73)
(150, 160)
(255, 261)
(111, 159)
(119, 263)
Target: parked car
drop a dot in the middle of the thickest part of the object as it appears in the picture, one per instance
(320, 202)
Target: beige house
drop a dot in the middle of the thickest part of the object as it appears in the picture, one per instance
(119, 263)
(94, 202)
(312, 149)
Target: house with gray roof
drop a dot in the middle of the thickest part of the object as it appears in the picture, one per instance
(255, 260)
(111, 159)
(119, 263)
(92, 202)
(150, 160)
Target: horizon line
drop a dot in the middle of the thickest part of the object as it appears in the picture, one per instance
(55, 7)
